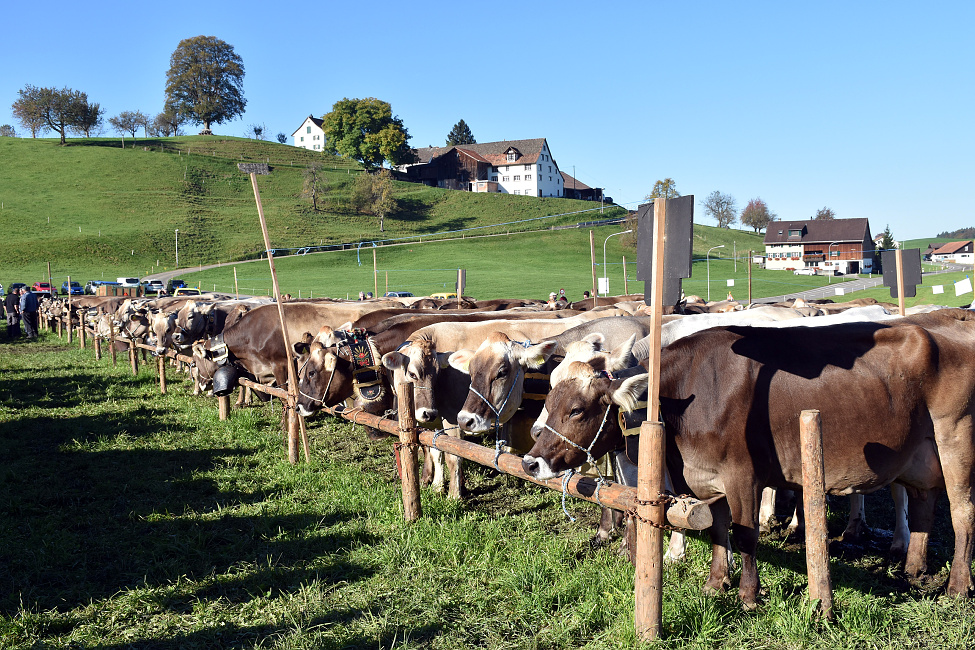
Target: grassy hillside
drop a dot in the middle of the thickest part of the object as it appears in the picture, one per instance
(93, 209)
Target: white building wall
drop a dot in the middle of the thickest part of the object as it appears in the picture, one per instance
(784, 256)
(309, 136)
(527, 179)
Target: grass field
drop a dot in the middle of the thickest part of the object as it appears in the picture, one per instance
(134, 520)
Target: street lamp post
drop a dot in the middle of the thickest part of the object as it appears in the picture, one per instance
(605, 274)
(177, 248)
(707, 258)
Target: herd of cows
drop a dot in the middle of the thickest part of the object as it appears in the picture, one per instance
(566, 389)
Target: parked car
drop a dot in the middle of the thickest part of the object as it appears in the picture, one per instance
(43, 287)
(174, 284)
(91, 287)
(16, 285)
(154, 287)
(808, 271)
(186, 291)
(75, 289)
(129, 283)
(397, 294)
(444, 295)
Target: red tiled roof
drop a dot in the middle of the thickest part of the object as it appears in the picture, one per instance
(952, 247)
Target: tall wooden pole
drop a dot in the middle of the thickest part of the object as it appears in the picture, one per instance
(814, 503)
(375, 275)
(592, 264)
(69, 302)
(111, 340)
(292, 401)
(900, 282)
(236, 288)
(648, 583)
(751, 256)
(161, 366)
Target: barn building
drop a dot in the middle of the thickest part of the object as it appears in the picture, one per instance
(841, 245)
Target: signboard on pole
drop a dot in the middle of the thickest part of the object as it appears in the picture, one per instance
(678, 241)
(911, 260)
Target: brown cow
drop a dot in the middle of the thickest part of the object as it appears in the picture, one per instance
(730, 399)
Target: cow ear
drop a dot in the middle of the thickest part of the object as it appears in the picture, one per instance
(596, 340)
(622, 357)
(394, 360)
(461, 360)
(536, 355)
(329, 362)
(628, 392)
(134, 317)
(443, 360)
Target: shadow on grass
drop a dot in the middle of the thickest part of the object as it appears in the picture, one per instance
(78, 525)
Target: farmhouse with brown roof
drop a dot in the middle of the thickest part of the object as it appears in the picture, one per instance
(959, 252)
(524, 167)
(842, 245)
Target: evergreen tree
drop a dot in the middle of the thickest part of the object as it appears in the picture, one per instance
(460, 134)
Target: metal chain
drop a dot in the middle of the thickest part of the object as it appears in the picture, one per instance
(662, 500)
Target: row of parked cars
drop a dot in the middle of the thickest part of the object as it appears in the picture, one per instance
(148, 288)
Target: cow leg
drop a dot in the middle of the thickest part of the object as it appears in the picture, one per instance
(920, 513)
(856, 525)
(719, 579)
(609, 519)
(744, 506)
(902, 532)
(455, 469)
(766, 512)
(963, 520)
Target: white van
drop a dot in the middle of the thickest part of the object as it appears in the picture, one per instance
(128, 283)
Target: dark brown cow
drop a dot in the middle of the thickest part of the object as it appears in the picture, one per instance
(897, 405)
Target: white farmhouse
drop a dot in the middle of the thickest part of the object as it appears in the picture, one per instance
(841, 245)
(957, 252)
(310, 135)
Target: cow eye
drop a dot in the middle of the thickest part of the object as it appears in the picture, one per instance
(311, 373)
(502, 373)
(576, 412)
(413, 375)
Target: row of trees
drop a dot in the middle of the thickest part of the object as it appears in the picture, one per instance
(204, 85)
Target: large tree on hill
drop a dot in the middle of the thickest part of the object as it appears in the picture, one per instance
(90, 120)
(169, 121)
(128, 122)
(205, 81)
(366, 130)
(756, 215)
(722, 207)
(460, 134)
(665, 189)
(58, 110)
(825, 213)
(7, 131)
(372, 193)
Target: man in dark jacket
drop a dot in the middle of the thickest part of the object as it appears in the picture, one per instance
(28, 311)
(12, 305)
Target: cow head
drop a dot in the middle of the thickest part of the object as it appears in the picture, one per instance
(580, 425)
(497, 370)
(190, 324)
(419, 363)
(162, 326)
(589, 350)
(324, 378)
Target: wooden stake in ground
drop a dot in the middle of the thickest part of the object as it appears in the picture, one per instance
(648, 583)
(161, 364)
(626, 286)
(408, 445)
(592, 264)
(292, 400)
(70, 327)
(814, 503)
(236, 288)
(751, 256)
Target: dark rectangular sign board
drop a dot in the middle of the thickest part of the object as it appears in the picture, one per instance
(911, 261)
(254, 168)
(678, 236)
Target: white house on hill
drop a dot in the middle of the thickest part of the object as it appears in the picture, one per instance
(310, 135)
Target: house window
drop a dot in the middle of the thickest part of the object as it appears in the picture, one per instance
(539, 167)
(507, 178)
(517, 191)
(511, 157)
(302, 138)
(795, 233)
(517, 178)
(527, 167)
(549, 178)
(507, 168)
(549, 169)
(528, 177)
(494, 178)
(308, 129)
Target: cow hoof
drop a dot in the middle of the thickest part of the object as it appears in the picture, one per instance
(749, 607)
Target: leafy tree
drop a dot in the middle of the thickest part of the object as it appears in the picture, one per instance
(665, 189)
(315, 183)
(372, 193)
(282, 138)
(257, 130)
(7, 131)
(756, 215)
(128, 122)
(58, 110)
(205, 81)
(169, 121)
(90, 120)
(722, 207)
(460, 134)
(366, 130)
(825, 213)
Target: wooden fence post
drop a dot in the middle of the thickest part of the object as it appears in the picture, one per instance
(81, 332)
(111, 340)
(98, 348)
(409, 442)
(133, 358)
(161, 363)
(814, 503)
(649, 575)
(224, 403)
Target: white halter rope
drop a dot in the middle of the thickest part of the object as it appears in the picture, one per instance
(567, 475)
(324, 393)
(499, 442)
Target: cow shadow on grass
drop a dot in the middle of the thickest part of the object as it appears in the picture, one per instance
(79, 523)
(25, 388)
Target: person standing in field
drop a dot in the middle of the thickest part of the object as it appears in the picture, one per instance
(12, 305)
(28, 311)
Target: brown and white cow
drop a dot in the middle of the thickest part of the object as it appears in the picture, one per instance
(896, 400)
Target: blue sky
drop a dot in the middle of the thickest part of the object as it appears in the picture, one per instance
(864, 107)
